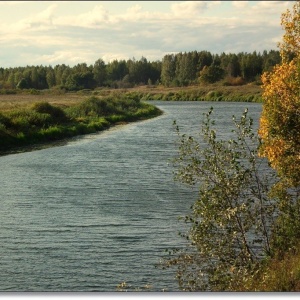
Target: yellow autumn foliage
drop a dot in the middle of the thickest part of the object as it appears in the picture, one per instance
(280, 119)
(290, 21)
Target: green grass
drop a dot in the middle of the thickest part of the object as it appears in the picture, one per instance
(43, 123)
(203, 95)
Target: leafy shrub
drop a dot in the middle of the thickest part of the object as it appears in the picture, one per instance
(231, 221)
(93, 107)
(56, 113)
(25, 119)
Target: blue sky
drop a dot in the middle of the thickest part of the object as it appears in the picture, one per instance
(72, 32)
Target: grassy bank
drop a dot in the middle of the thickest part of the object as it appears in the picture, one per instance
(41, 122)
(212, 92)
(208, 92)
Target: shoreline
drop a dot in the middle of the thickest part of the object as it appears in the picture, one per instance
(66, 140)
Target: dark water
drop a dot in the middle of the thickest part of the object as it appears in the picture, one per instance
(102, 209)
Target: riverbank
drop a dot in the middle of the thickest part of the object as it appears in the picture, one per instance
(209, 92)
(10, 99)
(40, 124)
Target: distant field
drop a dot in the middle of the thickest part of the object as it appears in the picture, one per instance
(24, 99)
(8, 102)
(248, 88)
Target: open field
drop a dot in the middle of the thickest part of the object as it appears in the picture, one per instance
(204, 92)
(16, 101)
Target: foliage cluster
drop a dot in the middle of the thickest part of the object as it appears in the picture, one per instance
(179, 69)
(280, 129)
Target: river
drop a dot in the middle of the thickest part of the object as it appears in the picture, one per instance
(101, 209)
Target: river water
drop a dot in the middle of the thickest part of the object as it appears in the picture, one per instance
(101, 209)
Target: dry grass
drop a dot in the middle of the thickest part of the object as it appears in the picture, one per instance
(10, 102)
(276, 275)
(247, 88)
(21, 100)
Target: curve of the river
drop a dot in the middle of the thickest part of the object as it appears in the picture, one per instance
(101, 209)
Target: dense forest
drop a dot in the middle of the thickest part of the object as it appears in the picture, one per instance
(181, 69)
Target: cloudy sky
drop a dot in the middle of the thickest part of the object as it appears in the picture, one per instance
(71, 32)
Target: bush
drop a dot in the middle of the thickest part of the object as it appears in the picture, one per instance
(231, 220)
(56, 113)
(26, 119)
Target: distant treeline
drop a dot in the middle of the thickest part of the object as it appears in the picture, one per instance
(181, 69)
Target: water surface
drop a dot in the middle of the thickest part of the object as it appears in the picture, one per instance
(102, 209)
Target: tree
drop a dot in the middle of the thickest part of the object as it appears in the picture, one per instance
(99, 70)
(230, 64)
(185, 69)
(270, 60)
(23, 84)
(155, 71)
(50, 77)
(79, 81)
(168, 69)
(205, 59)
(251, 66)
(231, 220)
(116, 70)
(280, 120)
(139, 70)
(290, 45)
(280, 129)
(211, 74)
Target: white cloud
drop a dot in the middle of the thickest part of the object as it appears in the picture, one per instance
(96, 17)
(266, 8)
(62, 56)
(85, 31)
(188, 9)
(240, 4)
(40, 21)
